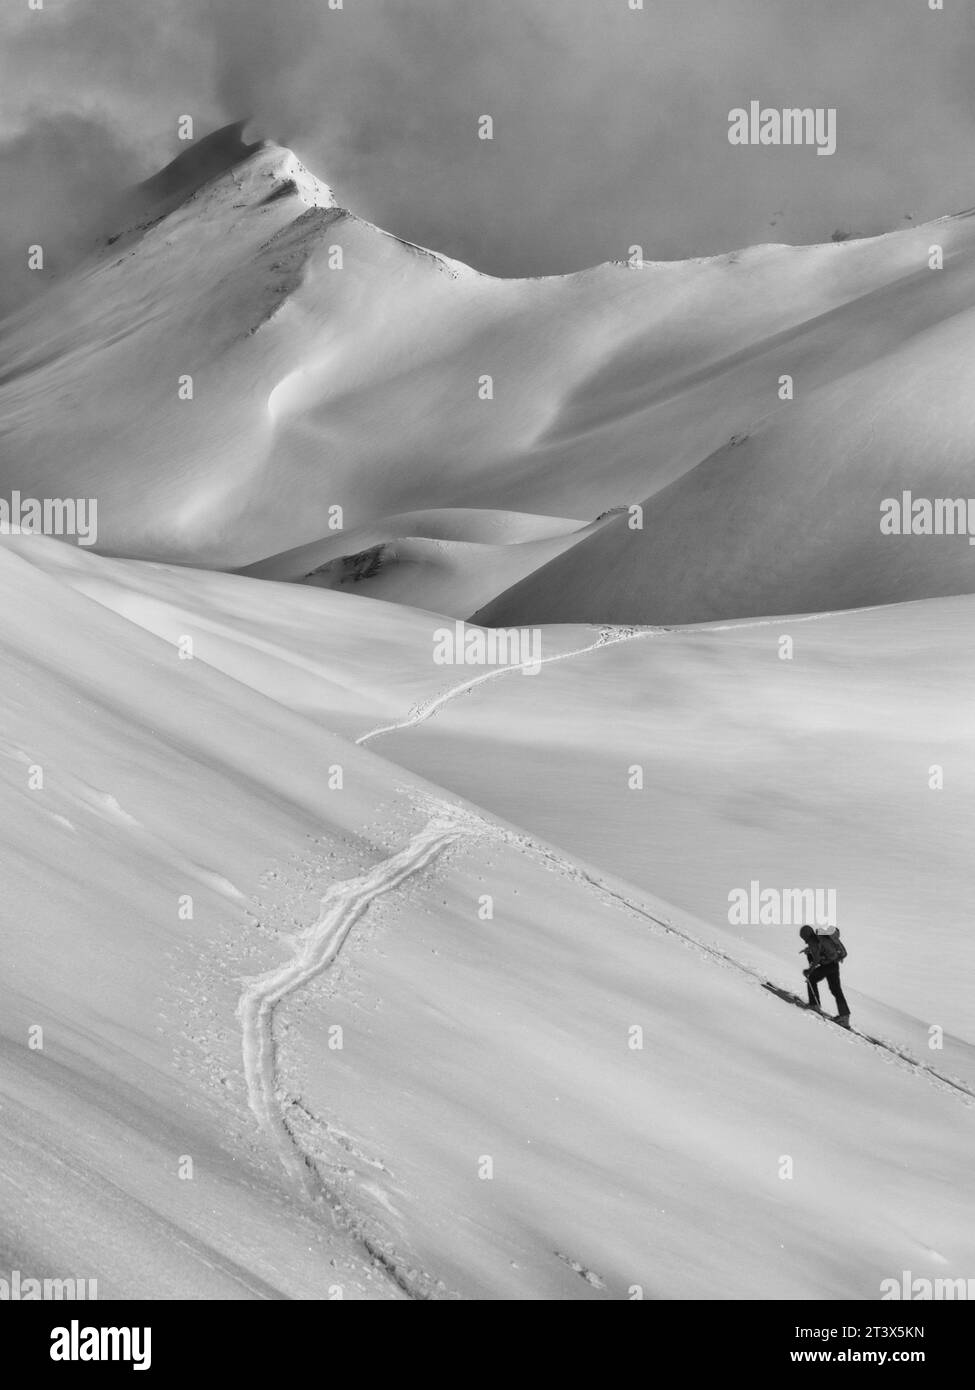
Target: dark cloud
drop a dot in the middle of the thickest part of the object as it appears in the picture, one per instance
(60, 176)
(610, 124)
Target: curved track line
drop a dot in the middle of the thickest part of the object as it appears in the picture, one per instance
(609, 636)
(318, 945)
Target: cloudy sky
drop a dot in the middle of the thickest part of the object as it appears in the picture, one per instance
(611, 124)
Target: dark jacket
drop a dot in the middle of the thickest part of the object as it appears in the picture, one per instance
(820, 950)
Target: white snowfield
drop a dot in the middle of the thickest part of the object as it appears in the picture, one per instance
(492, 1119)
(331, 972)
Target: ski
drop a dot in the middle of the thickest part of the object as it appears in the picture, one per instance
(790, 997)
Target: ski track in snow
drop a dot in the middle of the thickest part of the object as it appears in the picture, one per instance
(609, 636)
(317, 947)
(893, 1050)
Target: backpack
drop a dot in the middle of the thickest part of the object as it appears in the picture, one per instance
(831, 949)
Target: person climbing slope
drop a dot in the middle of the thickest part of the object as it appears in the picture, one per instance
(824, 952)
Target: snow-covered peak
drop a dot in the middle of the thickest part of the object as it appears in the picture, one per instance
(200, 162)
(226, 158)
(311, 190)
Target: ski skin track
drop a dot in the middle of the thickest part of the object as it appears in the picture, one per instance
(607, 638)
(610, 635)
(790, 997)
(318, 946)
(714, 953)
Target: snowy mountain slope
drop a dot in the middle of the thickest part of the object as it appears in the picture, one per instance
(337, 658)
(465, 1036)
(341, 956)
(128, 780)
(317, 386)
(283, 640)
(811, 772)
(164, 777)
(787, 517)
(613, 1170)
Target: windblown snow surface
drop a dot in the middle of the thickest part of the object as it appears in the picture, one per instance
(332, 972)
